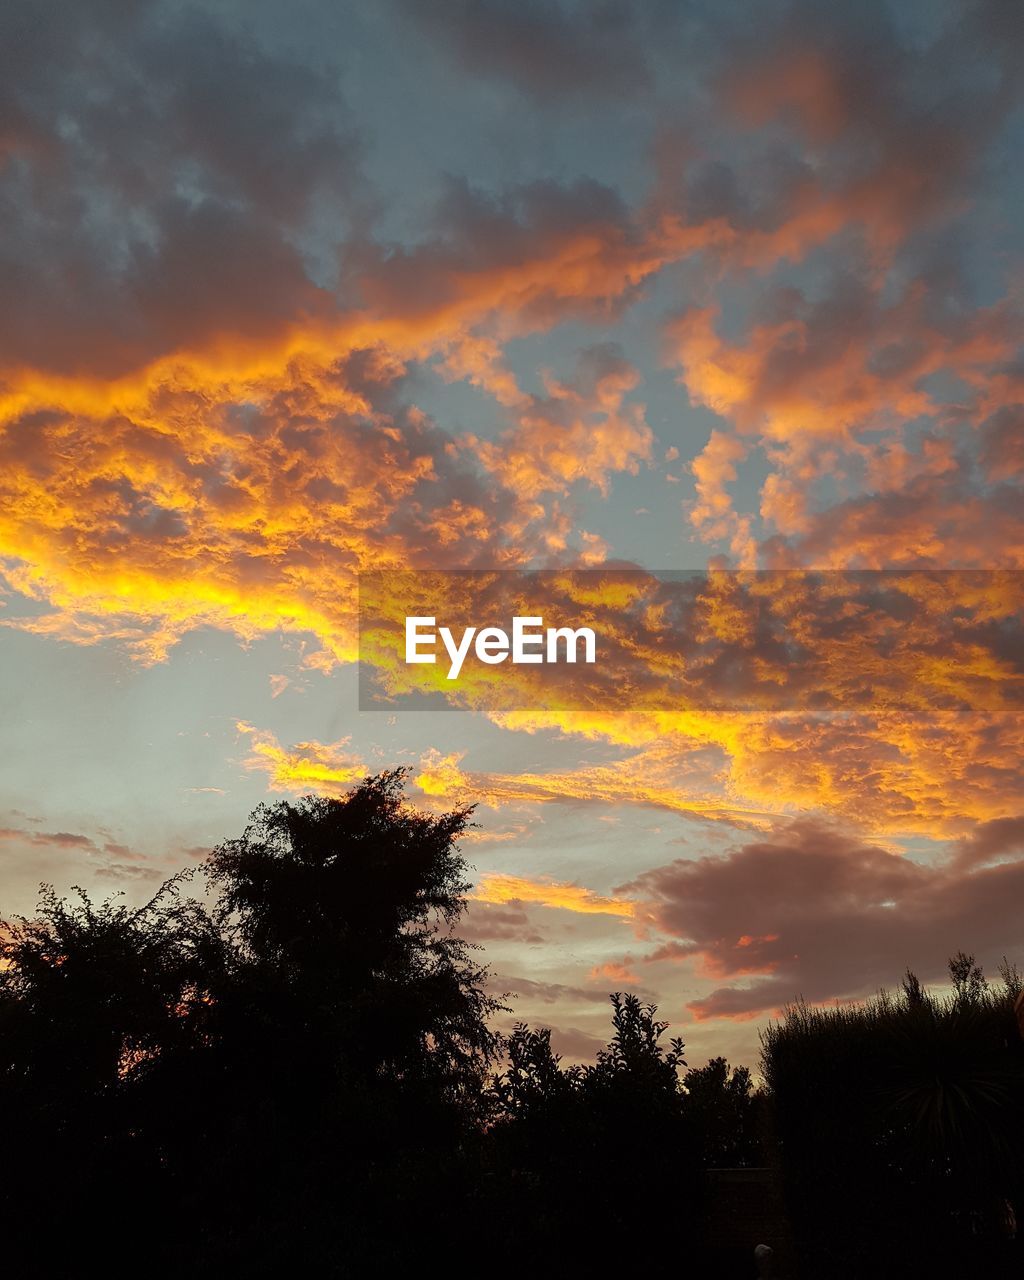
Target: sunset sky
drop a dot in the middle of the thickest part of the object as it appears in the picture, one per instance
(288, 293)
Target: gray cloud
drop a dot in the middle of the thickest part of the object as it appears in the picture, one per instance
(816, 912)
(548, 49)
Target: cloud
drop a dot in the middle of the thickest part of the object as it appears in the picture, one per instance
(497, 887)
(581, 430)
(213, 427)
(575, 1045)
(183, 509)
(819, 912)
(278, 684)
(887, 376)
(239, 477)
(834, 392)
(552, 51)
(616, 971)
(326, 768)
(992, 840)
(48, 839)
(490, 922)
(896, 127)
(121, 871)
(540, 992)
(194, 152)
(938, 521)
(643, 779)
(891, 698)
(712, 512)
(528, 256)
(61, 854)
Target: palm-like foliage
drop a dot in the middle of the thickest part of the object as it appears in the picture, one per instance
(898, 1112)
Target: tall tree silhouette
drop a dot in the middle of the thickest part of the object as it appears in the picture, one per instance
(725, 1113)
(353, 1040)
(290, 1076)
(343, 910)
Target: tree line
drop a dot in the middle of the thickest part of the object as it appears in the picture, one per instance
(296, 1072)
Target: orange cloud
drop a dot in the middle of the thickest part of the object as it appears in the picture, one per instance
(614, 971)
(630, 781)
(891, 698)
(326, 768)
(811, 387)
(580, 430)
(496, 887)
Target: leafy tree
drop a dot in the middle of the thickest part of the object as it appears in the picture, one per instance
(354, 1039)
(533, 1082)
(95, 995)
(596, 1153)
(1013, 980)
(724, 1113)
(634, 1052)
(913, 992)
(342, 914)
(969, 983)
(103, 1011)
(295, 1073)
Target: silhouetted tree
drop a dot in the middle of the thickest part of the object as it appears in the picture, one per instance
(103, 1010)
(343, 911)
(354, 1042)
(533, 1083)
(969, 983)
(724, 1114)
(296, 1078)
(592, 1155)
(913, 992)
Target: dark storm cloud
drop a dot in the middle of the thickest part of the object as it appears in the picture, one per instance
(901, 120)
(992, 840)
(1002, 447)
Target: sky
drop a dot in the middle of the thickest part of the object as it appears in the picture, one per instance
(290, 294)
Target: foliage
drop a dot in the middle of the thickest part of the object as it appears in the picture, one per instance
(342, 916)
(726, 1115)
(900, 1124)
(299, 1074)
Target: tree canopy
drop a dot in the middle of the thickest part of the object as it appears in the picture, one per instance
(291, 1064)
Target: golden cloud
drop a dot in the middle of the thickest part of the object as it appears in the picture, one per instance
(496, 887)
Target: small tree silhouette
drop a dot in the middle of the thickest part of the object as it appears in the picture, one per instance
(103, 1011)
(724, 1114)
(634, 1051)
